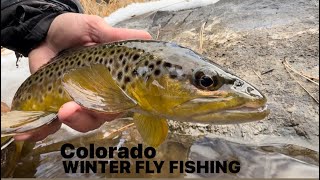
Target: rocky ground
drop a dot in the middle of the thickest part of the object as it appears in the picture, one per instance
(252, 39)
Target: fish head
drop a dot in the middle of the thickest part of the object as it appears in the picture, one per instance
(209, 93)
(220, 97)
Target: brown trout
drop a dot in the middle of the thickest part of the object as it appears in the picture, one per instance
(154, 80)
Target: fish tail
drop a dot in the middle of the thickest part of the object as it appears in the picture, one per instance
(6, 142)
(17, 122)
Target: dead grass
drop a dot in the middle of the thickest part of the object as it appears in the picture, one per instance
(105, 8)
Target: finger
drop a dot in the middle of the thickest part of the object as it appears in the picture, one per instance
(81, 119)
(40, 134)
(116, 34)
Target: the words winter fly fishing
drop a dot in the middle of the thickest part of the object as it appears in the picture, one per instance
(134, 160)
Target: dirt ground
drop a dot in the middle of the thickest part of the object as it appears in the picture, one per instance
(252, 39)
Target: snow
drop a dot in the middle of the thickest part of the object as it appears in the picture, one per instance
(12, 77)
(137, 9)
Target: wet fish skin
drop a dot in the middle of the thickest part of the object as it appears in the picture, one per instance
(153, 79)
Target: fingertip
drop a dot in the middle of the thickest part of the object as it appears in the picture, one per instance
(67, 110)
(116, 34)
(22, 137)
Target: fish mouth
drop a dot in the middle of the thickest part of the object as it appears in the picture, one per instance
(248, 109)
(222, 110)
(236, 115)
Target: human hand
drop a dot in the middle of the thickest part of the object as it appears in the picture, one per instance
(66, 31)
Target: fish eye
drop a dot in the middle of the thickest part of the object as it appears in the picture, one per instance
(206, 82)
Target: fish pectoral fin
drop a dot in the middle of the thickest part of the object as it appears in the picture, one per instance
(94, 88)
(154, 130)
(15, 122)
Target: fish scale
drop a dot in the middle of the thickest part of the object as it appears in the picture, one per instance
(154, 80)
(117, 57)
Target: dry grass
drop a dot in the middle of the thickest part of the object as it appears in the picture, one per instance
(103, 8)
(287, 67)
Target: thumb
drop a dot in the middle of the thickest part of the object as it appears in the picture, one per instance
(116, 34)
(102, 32)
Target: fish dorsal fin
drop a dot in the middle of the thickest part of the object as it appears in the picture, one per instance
(15, 122)
(153, 130)
(94, 88)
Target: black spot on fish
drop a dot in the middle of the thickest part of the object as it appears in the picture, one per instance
(135, 57)
(109, 69)
(79, 63)
(166, 64)
(49, 88)
(51, 73)
(127, 79)
(126, 69)
(121, 56)
(60, 91)
(146, 63)
(157, 72)
(134, 73)
(151, 66)
(123, 87)
(112, 52)
(57, 68)
(84, 56)
(29, 97)
(119, 75)
(59, 73)
(110, 61)
(173, 74)
(158, 62)
(127, 53)
(71, 63)
(104, 54)
(36, 78)
(118, 51)
(100, 60)
(90, 58)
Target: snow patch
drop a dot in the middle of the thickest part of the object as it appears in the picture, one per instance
(12, 76)
(137, 9)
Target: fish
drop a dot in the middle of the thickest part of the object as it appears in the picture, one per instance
(153, 80)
